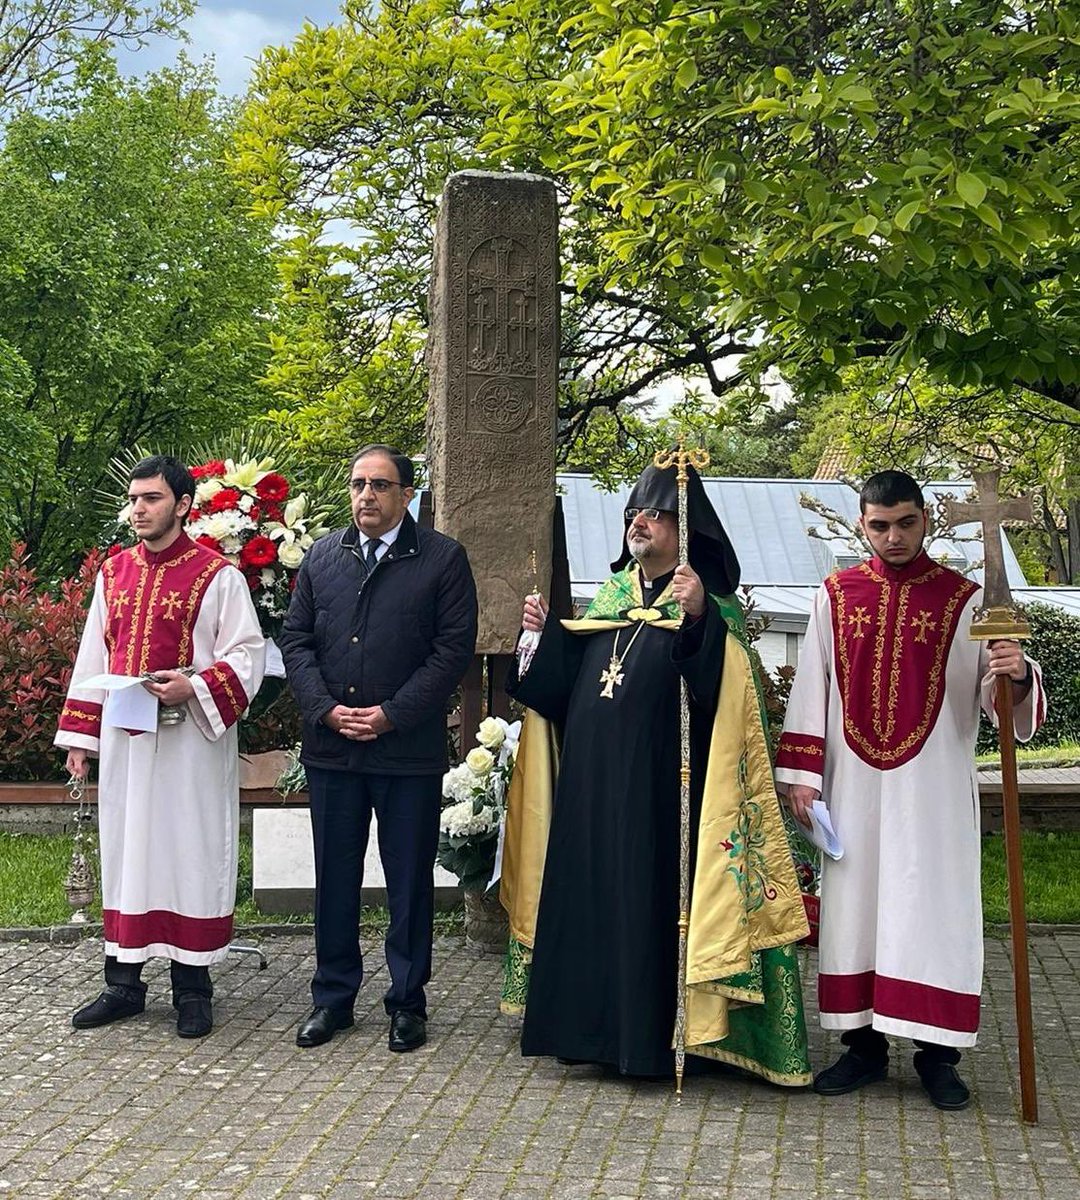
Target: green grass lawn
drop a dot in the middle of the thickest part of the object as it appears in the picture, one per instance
(32, 871)
(1065, 754)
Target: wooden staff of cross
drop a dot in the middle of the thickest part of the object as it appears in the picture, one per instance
(1000, 618)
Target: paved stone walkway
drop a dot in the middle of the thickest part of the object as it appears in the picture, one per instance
(133, 1111)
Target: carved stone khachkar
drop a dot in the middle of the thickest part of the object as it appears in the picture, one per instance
(493, 356)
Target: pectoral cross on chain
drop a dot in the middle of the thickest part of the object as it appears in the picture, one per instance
(998, 617)
(609, 678)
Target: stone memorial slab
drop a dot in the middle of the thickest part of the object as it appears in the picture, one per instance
(493, 356)
(283, 874)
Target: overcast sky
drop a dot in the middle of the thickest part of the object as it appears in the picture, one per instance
(233, 32)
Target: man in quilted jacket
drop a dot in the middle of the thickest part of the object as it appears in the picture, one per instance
(380, 630)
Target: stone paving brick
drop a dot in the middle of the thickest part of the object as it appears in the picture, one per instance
(133, 1111)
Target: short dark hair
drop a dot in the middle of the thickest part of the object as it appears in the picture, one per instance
(172, 470)
(889, 488)
(405, 470)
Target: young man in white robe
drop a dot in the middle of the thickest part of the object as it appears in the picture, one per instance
(881, 724)
(168, 801)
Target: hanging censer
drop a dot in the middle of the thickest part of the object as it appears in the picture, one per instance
(79, 884)
(171, 714)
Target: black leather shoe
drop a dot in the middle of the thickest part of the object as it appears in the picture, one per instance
(848, 1074)
(942, 1083)
(111, 1005)
(407, 1032)
(323, 1023)
(194, 1016)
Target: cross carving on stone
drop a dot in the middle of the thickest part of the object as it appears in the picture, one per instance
(171, 602)
(991, 512)
(859, 618)
(922, 623)
(609, 678)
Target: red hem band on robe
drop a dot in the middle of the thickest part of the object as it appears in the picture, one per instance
(899, 1000)
(196, 935)
(226, 691)
(81, 716)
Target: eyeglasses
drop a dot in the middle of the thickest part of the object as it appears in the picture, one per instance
(653, 514)
(377, 485)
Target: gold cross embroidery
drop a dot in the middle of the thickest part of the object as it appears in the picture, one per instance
(171, 602)
(119, 601)
(922, 623)
(610, 678)
(859, 618)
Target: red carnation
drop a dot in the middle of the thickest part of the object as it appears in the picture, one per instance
(193, 515)
(204, 539)
(214, 467)
(273, 512)
(272, 486)
(260, 551)
(253, 582)
(255, 512)
(222, 500)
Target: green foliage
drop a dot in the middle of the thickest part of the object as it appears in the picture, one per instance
(134, 291)
(1055, 646)
(45, 41)
(347, 141)
(889, 181)
(39, 637)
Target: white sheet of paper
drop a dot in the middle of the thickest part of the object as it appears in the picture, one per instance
(132, 708)
(822, 833)
(110, 683)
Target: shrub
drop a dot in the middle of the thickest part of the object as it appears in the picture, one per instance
(1055, 646)
(39, 635)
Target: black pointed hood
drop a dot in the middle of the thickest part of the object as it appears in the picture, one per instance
(711, 552)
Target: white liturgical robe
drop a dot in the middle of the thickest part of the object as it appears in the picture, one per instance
(168, 802)
(882, 719)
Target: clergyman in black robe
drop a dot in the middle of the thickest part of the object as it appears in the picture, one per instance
(598, 963)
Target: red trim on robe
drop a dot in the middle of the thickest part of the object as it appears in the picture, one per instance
(81, 716)
(801, 752)
(135, 931)
(893, 629)
(900, 999)
(152, 602)
(227, 692)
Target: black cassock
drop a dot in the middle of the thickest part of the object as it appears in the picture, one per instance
(602, 985)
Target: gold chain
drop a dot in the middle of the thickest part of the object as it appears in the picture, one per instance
(612, 675)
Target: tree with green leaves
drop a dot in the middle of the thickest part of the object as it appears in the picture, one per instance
(44, 41)
(895, 181)
(135, 291)
(347, 141)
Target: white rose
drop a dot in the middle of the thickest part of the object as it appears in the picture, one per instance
(479, 760)
(290, 555)
(207, 488)
(492, 733)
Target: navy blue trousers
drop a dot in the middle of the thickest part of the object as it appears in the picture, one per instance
(407, 809)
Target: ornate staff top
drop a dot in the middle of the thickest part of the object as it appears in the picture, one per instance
(999, 617)
(698, 458)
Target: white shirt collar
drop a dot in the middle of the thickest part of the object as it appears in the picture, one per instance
(388, 538)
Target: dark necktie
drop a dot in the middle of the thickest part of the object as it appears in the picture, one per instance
(369, 554)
